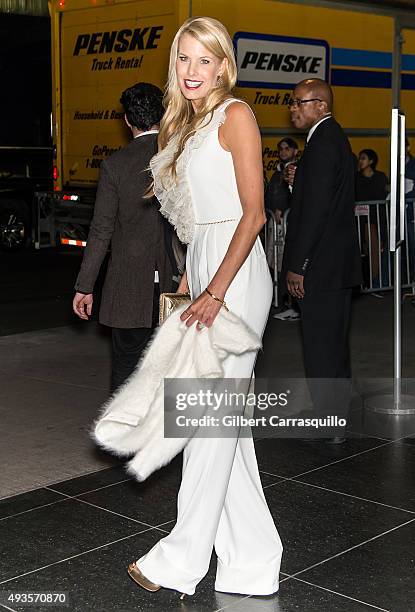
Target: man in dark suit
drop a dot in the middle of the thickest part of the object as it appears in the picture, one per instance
(140, 266)
(321, 258)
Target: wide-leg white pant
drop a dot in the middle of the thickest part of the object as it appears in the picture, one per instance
(220, 503)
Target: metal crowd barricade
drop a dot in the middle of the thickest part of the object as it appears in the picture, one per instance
(271, 250)
(274, 241)
(409, 250)
(372, 219)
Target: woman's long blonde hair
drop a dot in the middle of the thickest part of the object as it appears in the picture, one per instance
(180, 119)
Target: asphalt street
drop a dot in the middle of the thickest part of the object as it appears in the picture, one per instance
(36, 289)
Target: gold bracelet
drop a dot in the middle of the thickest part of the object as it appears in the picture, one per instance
(212, 295)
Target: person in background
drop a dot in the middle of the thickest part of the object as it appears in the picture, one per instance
(409, 170)
(277, 199)
(321, 258)
(372, 185)
(142, 262)
(410, 199)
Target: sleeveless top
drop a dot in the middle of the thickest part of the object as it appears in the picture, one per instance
(205, 189)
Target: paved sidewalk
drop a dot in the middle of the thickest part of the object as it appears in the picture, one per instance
(346, 514)
(52, 384)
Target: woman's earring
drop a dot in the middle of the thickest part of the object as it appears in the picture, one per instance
(219, 80)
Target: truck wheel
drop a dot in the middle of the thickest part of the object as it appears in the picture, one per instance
(14, 229)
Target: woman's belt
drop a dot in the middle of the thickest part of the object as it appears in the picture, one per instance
(215, 222)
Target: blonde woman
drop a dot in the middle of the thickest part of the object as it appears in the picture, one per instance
(208, 179)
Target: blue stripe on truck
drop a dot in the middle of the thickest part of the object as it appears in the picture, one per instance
(360, 78)
(369, 59)
(368, 78)
(358, 57)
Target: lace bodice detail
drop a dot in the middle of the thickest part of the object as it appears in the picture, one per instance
(174, 194)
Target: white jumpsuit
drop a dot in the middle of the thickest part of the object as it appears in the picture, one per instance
(221, 502)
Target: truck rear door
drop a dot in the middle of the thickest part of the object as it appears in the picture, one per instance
(104, 50)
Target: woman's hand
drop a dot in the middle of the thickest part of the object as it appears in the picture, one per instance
(289, 174)
(204, 310)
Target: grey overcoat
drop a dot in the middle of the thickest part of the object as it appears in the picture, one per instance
(137, 233)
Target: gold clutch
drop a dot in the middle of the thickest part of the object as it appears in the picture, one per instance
(170, 301)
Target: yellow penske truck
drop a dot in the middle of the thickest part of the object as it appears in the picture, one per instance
(100, 47)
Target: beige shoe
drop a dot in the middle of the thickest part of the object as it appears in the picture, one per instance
(141, 580)
(144, 582)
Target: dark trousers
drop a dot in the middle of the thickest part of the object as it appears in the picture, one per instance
(325, 318)
(129, 344)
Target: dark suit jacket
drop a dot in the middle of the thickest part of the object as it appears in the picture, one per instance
(136, 231)
(321, 242)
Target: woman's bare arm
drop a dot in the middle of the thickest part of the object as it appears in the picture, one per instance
(183, 285)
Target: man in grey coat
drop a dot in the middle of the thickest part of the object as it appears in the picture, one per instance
(142, 262)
